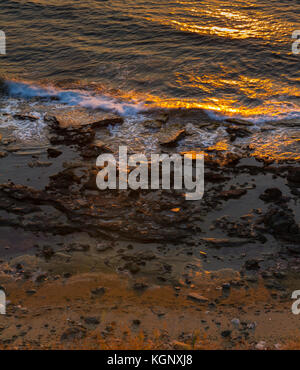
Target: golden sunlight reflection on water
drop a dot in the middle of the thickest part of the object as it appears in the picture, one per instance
(243, 21)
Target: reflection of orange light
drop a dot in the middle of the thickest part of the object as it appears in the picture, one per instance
(192, 154)
(219, 146)
(278, 147)
(252, 88)
(215, 20)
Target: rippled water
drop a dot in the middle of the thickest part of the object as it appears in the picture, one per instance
(230, 58)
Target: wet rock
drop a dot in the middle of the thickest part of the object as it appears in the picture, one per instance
(240, 122)
(79, 118)
(232, 194)
(197, 297)
(53, 153)
(252, 264)
(63, 180)
(96, 148)
(215, 177)
(293, 248)
(271, 195)
(236, 131)
(163, 117)
(280, 274)
(39, 164)
(153, 124)
(47, 252)
(132, 267)
(221, 242)
(294, 175)
(3, 154)
(24, 117)
(281, 223)
(102, 247)
(172, 137)
(273, 284)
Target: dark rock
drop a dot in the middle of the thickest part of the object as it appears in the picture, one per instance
(172, 137)
(215, 177)
(140, 286)
(236, 131)
(226, 333)
(24, 117)
(47, 252)
(99, 291)
(102, 247)
(294, 249)
(271, 195)
(72, 334)
(154, 124)
(235, 193)
(281, 223)
(53, 153)
(132, 267)
(221, 242)
(91, 320)
(294, 175)
(41, 276)
(77, 247)
(252, 264)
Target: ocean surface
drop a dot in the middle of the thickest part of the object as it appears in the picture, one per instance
(227, 58)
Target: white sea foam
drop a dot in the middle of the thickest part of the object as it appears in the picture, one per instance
(73, 97)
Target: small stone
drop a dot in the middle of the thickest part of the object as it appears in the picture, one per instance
(235, 323)
(98, 291)
(261, 346)
(73, 334)
(197, 297)
(91, 320)
(252, 264)
(226, 333)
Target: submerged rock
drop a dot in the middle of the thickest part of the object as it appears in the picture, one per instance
(172, 137)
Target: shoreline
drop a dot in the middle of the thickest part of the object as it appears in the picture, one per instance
(71, 252)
